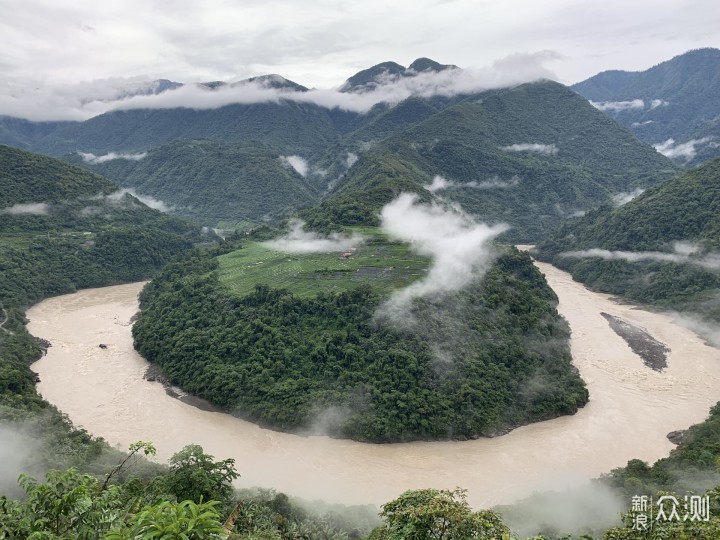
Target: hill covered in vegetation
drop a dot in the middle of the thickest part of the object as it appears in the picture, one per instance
(61, 229)
(674, 105)
(660, 248)
(214, 183)
(293, 342)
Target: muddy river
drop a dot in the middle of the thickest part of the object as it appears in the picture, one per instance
(631, 408)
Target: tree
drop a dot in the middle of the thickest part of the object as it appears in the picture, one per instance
(432, 514)
(195, 476)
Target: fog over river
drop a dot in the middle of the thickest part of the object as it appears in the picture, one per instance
(631, 408)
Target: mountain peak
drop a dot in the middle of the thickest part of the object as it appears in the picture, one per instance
(426, 64)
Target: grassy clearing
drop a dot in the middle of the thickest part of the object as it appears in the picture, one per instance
(385, 264)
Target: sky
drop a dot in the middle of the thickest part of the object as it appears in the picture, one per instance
(319, 43)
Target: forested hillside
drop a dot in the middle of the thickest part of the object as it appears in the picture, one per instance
(660, 248)
(677, 101)
(61, 229)
(297, 356)
(214, 183)
(530, 156)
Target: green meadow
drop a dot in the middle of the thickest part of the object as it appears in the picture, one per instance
(380, 261)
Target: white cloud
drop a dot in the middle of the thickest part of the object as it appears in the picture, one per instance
(547, 149)
(110, 156)
(459, 247)
(297, 163)
(147, 200)
(625, 197)
(616, 106)
(440, 183)
(683, 253)
(351, 159)
(686, 150)
(77, 102)
(640, 124)
(34, 209)
(300, 241)
(655, 103)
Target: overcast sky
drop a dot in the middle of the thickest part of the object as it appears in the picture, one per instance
(319, 43)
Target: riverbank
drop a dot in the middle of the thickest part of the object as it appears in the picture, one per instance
(631, 408)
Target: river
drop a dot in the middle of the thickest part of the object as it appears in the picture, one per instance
(631, 408)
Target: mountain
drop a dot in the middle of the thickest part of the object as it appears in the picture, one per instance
(674, 105)
(369, 79)
(214, 183)
(660, 248)
(274, 81)
(292, 127)
(530, 156)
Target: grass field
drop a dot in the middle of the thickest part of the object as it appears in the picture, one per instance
(385, 264)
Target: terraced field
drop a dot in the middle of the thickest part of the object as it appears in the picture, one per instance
(385, 264)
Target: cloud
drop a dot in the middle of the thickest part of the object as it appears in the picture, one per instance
(622, 198)
(117, 197)
(684, 150)
(110, 156)
(547, 149)
(351, 159)
(655, 103)
(459, 247)
(297, 163)
(33, 209)
(300, 241)
(77, 102)
(639, 124)
(683, 253)
(440, 183)
(617, 106)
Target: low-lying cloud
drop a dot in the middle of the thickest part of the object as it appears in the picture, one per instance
(655, 103)
(116, 197)
(625, 197)
(617, 106)
(299, 240)
(110, 156)
(297, 163)
(440, 183)
(546, 149)
(32, 209)
(683, 253)
(73, 102)
(351, 159)
(686, 150)
(460, 249)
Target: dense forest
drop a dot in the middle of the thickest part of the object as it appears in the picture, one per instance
(321, 362)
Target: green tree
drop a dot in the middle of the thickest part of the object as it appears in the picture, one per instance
(195, 476)
(432, 514)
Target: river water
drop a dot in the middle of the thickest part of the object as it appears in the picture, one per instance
(631, 409)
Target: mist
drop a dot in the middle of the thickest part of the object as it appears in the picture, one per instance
(686, 150)
(297, 163)
(683, 253)
(147, 200)
(297, 240)
(440, 183)
(15, 451)
(85, 100)
(546, 149)
(459, 247)
(617, 106)
(33, 209)
(619, 199)
(110, 156)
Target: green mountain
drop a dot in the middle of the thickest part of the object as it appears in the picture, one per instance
(290, 341)
(678, 99)
(63, 228)
(685, 209)
(530, 156)
(213, 183)
(369, 79)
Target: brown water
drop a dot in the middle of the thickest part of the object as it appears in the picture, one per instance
(631, 409)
